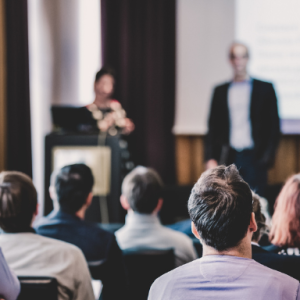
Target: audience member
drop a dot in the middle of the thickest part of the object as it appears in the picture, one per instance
(9, 283)
(220, 208)
(289, 265)
(29, 254)
(71, 188)
(141, 197)
(285, 231)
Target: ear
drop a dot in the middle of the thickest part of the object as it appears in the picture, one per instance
(124, 202)
(89, 199)
(194, 231)
(36, 210)
(159, 205)
(52, 192)
(252, 225)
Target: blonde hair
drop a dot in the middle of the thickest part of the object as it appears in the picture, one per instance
(286, 218)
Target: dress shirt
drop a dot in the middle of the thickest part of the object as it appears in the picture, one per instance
(224, 277)
(9, 283)
(29, 254)
(239, 98)
(96, 244)
(146, 231)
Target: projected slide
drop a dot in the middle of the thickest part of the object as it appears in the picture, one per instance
(271, 28)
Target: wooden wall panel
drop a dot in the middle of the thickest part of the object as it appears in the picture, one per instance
(183, 160)
(190, 159)
(2, 89)
(287, 159)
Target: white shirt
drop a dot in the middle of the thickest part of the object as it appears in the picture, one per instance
(240, 134)
(9, 283)
(146, 231)
(29, 254)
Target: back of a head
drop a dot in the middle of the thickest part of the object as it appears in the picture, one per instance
(18, 201)
(73, 183)
(259, 218)
(220, 205)
(285, 229)
(142, 188)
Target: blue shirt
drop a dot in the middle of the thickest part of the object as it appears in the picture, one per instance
(224, 277)
(95, 243)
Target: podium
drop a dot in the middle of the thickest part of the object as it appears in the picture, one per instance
(111, 202)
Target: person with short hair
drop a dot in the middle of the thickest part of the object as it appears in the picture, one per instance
(29, 254)
(220, 207)
(142, 198)
(243, 126)
(71, 191)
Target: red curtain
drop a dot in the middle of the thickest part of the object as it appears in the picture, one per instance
(138, 41)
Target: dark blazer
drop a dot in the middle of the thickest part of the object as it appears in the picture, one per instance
(264, 121)
(289, 265)
(96, 245)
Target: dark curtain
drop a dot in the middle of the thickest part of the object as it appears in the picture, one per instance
(138, 41)
(18, 104)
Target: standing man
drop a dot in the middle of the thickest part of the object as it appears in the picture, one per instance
(243, 125)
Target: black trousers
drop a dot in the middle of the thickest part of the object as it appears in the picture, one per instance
(252, 171)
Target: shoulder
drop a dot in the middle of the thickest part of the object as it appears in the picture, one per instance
(222, 87)
(58, 245)
(262, 83)
(183, 274)
(272, 274)
(94, 229)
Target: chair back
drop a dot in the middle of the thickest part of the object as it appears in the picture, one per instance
(37, 288)
(143, 266)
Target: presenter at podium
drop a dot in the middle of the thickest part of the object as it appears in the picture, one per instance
(243, 126)
(107, 112)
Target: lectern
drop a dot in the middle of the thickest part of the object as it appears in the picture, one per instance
(103, 155)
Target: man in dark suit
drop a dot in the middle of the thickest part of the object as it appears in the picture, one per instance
(289, 265)
(243, 125)
(71, 191)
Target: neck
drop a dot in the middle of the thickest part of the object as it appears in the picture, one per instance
(101, 101)
(242, 250)
(241, 77)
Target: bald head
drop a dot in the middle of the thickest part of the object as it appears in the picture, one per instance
(239, 57)
(238, 48)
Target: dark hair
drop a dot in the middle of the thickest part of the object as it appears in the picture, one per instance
(73, 183)
(105, 71)
(220, 205)
(18, 201)
(259, 218)
(142, 187)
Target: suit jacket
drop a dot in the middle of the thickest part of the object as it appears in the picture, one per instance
(95, 243)
(264, 122)
(289, 265)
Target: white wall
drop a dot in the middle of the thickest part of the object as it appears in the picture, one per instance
(64, 55)
(205, 30)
